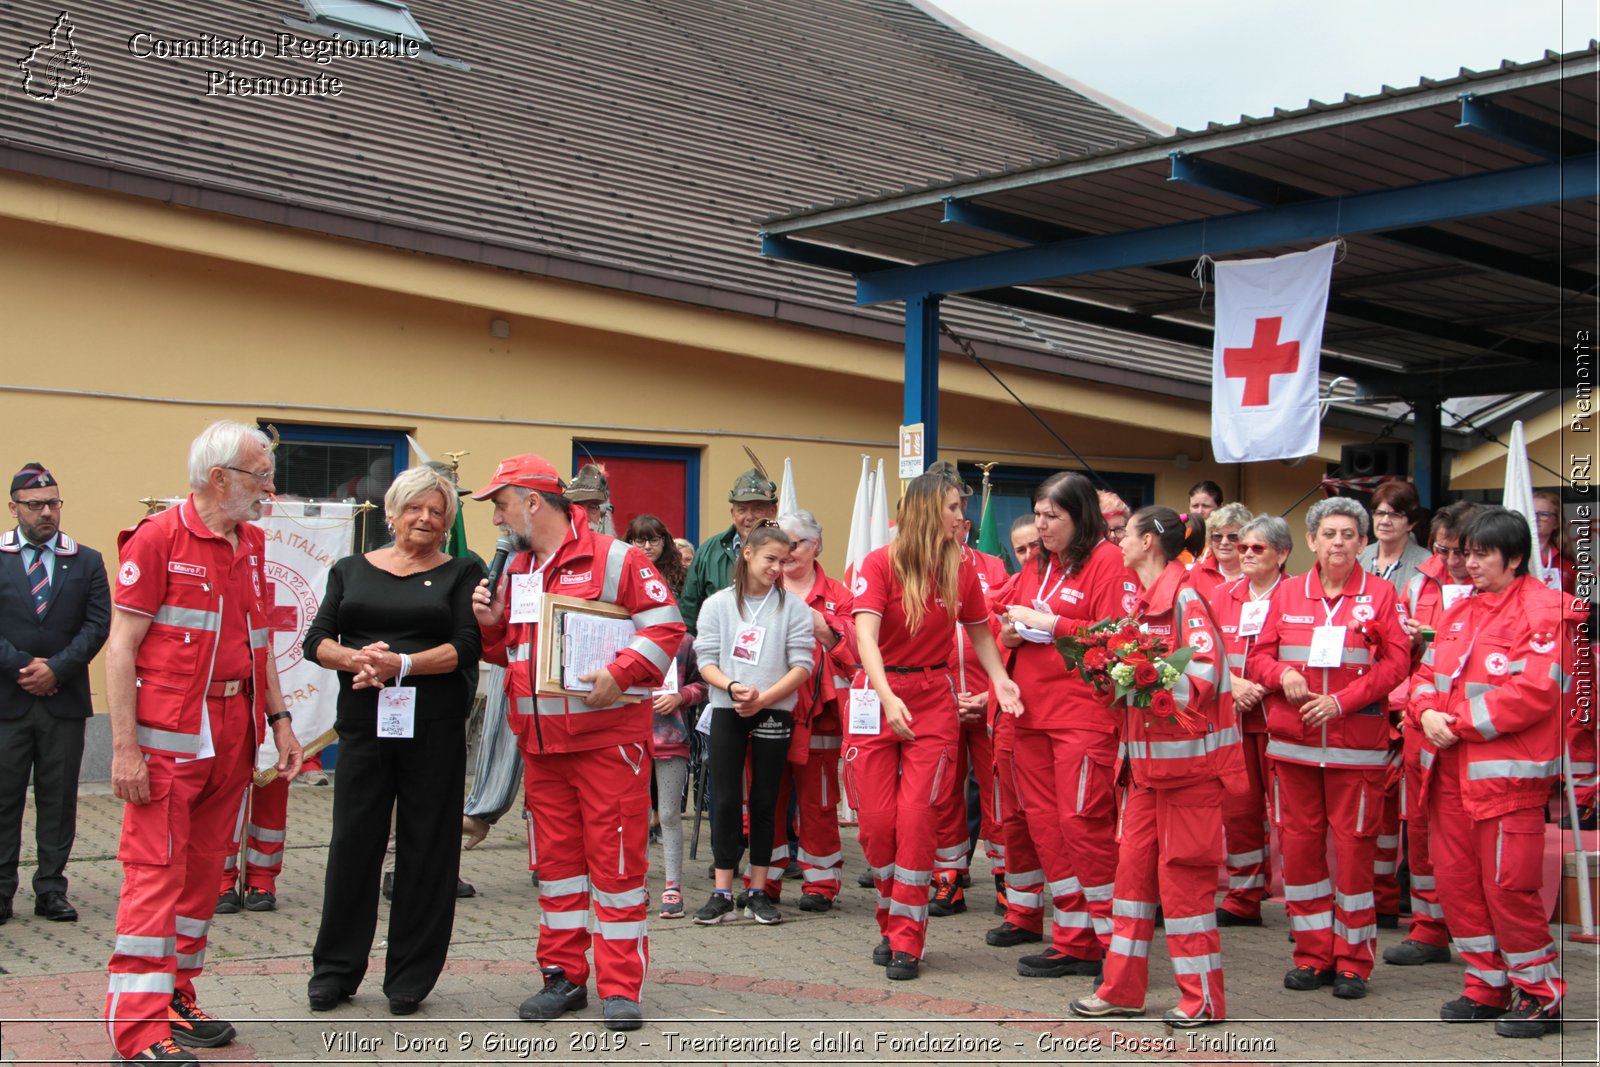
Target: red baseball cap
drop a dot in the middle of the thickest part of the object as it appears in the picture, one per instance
(527, 471)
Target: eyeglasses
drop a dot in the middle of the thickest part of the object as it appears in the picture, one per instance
(1252, 550)
(1116, 533)
(645, 542)
(1385, 513)
(257, 475)
(1544, 514)
(1231, 538)
(1446, 551)
(36, 506)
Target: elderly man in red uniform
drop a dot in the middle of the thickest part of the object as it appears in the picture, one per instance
(587, 761)
(190, 690)
(1488, 698)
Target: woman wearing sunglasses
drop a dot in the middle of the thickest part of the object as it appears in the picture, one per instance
(1220, 564)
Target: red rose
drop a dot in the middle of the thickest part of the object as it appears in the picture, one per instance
(1146, 674)
(1161, 703)
(1096, 659)
(1134, 658)
(1129, 633)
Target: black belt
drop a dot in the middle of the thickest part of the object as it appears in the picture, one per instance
(916, 670)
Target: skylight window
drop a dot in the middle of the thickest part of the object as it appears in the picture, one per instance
(384, 17)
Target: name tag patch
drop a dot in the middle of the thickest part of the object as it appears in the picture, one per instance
(586, 576)
(194, 570)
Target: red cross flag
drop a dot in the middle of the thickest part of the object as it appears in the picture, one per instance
(1264, 360)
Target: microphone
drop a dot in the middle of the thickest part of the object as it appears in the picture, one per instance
(502, 551)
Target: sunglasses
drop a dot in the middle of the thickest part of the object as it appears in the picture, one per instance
(1446, 551)
(1252, 550)
(1218, 538)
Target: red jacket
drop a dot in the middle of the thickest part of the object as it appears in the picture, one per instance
(1162, 753)
(1206, 578)
(590, 566)
(178, 573)
(1500, 670)
(1377, 654)
(1227, 605)
(1053, 697)
(818, 705)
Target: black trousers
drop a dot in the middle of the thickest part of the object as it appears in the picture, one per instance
(420, 781)
(52, 749)
(766, 738)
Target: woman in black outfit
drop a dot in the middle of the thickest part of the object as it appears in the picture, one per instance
(396, 619)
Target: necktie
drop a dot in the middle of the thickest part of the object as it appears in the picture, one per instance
(39, 580)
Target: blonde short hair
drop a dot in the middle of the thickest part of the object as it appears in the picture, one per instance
(1228, 515)
(415, 482)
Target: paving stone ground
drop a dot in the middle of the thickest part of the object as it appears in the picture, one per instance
(800, 992)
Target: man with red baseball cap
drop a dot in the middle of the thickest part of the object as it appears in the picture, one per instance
(586, 757)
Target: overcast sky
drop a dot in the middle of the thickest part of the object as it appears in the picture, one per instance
(1191, 61)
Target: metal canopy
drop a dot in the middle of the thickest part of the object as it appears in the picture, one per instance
(1467, 207)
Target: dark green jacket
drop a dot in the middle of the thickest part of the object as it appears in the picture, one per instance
(711, 569)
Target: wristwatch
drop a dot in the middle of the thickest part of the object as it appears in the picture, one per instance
(275, 716)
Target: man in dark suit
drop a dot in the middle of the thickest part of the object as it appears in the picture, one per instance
(55, 612)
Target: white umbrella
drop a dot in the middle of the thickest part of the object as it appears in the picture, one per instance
(1519, 492)
(860, 542)
(880, 511)
(422, 457)
(788, 503)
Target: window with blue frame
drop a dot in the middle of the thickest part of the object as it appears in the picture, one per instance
(341, 463)
(1011, 489)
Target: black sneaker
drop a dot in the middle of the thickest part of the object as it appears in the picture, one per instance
(794, 870)
(902, 967)
(947, 898)
(465, 889)
(1229, 918)
(719, 909)
(865, 881)
(1308, 977)
(1409, 953)
(1527, 1018)
(620, 1013)
(192, 1027)
(164, 1051)
(881, 953)
(388, 885)
(1053, 964)
(759, 906)
(815, 902)
(258, 899)
(1008, 935)
(227, 904)
(1348, 985)
(558, 997)
(1466, 1010)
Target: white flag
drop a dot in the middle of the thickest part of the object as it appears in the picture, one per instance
(1266, 355)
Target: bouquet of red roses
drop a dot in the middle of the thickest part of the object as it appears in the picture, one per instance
(1122, 662)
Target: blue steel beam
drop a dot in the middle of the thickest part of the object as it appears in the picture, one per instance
(1006, 224)
(1229, 181)
(1518, 130)
(1513, 189)
(921, 397)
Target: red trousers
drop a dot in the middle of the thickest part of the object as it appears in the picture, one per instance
(1333, 921)
(1386, 846)
(1024, 875)
(1246, 834)
(1171, 847)
(1427, 914)
(262, 823)
(897, 788)
(1064, 782)
(974, 751)
(591, 831)
(1490, 872)
(172, 851)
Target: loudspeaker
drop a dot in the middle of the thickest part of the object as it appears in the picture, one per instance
(1364, 461)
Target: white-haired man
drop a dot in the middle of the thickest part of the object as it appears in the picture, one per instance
(191, 691)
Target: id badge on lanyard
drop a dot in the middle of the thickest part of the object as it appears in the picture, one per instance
(397, 711)
(866, 712)
(527, 596)
(1252, 617)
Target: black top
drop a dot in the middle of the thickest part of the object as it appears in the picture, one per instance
(414, 613)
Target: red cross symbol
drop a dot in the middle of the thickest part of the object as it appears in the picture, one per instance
(1257, 364)
(282, 618)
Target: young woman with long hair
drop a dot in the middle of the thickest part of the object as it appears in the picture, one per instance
(901, 731)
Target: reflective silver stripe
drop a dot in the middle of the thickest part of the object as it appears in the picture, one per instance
(1486, 943)
(259, 637)
(188, 927)
(192, 961)
(905, 877)
(621, 931)
(1388, 841)
(616, 557)
(1556, 675)
(1071, 920)
(1518, 959)
(1427, 657)
(263, 834)
(1543, 972)
(1320, 921)
(1344, 757)
(1427, 910)
(630, 898)
(1353, 902)
(1517, 666)
(1355, 935)
(831, 859)
(1203, 671)
(231, 863)
(1211, 961)
(564, 920)
(1513, 768)
(1311, 891)
(1358, 657)
(1425, 758)
(1494, 978)
(1383, 867)
(951, 854)
(561, 887)
(1292, 654)
(1098, 892)
(263, 859)
(1479, 707)
(1124, 946)
(1194, 749)
(1191, 924)
(1421, 881)
(1240, 859)
(161, 982)
(1017, 898)
(1063, 886)
(826, 742)
(824, 874)
(1182, 691)
(1236, 660)
(883, 874)
(554, 706)
(663, 615)
(167, 740)
(1025, 878)
(1102, 926)
(155, 948)
(651, 651)
(191, 618)
(1133, 909)
(519, 653)
(1247, 881)
(914, 912)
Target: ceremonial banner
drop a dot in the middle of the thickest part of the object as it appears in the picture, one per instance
(304, 540)
(1266, 354)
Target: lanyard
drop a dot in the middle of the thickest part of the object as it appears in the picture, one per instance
(1049, 596)
(1276, 582)
(756, 614)
(1332, 613)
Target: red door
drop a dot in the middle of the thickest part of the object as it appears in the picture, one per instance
(645, 486)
